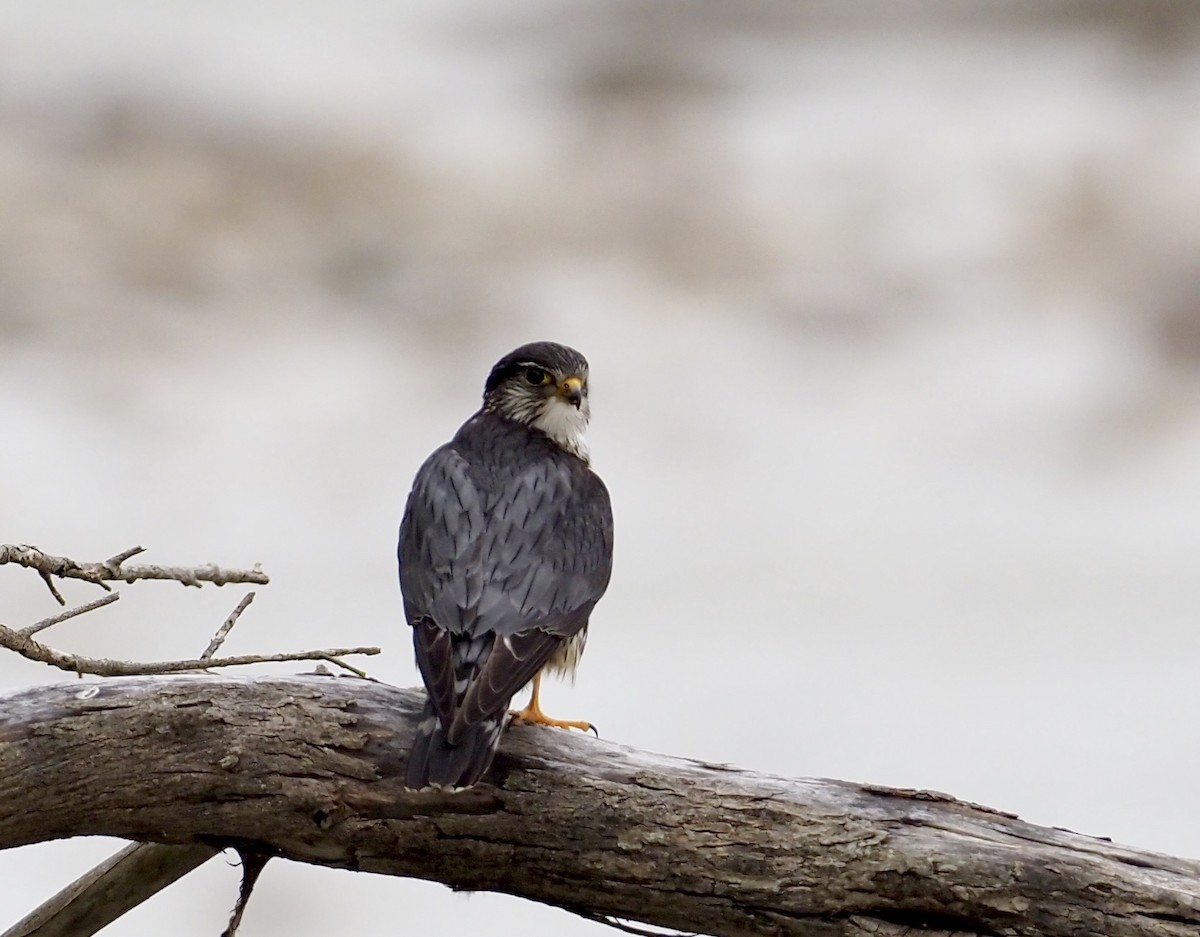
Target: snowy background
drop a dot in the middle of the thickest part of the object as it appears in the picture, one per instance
(893, 312)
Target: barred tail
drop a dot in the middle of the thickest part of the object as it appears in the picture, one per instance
(434, 762)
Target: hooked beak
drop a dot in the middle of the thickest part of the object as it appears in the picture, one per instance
(571, 390)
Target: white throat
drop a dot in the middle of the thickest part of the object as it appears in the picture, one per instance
(565, 425)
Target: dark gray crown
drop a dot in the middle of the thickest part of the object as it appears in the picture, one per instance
(549, 356)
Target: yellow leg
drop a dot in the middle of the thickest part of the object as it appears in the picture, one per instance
(533, 713)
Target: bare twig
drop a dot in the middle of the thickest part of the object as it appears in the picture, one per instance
(70, 613)
(338, 662)
(87, 906)
(114, 562)
(253, 862)
(618, 924)
(223, 632)
(103, 667)
(114, 570)
(54, 589)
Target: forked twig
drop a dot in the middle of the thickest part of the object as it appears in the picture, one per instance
(135, 874)
(48, 566)
(104, 667)
(114, 569)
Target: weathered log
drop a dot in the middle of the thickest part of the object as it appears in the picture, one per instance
(310, 768)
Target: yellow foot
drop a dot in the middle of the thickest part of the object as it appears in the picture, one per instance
(533, 714)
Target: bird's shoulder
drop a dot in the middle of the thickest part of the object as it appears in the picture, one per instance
(490, 441)
(492, 462)
(493, 451)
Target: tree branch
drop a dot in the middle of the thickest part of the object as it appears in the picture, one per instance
(117, 885)
(310, 768)
(21, 643)
(114, 569)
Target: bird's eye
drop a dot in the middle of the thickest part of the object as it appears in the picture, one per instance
(536, 376)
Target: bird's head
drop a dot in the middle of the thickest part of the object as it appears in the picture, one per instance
(545, 386)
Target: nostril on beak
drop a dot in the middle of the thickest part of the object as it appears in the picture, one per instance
(571, 391)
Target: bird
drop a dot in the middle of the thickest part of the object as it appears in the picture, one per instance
(505, 548)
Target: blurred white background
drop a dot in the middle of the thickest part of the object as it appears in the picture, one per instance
(893, 313)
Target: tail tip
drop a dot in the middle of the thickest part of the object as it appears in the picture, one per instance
(435, 764)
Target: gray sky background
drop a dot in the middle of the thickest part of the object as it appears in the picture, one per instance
(893, 322)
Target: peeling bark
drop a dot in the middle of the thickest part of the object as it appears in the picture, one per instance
(310, 768)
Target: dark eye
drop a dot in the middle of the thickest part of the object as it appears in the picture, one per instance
(535, 376)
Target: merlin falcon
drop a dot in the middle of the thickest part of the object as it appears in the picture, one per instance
(505, 549)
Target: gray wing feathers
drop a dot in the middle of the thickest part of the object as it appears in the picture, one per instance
(548, 543)
(534, 557)
(439, 541)
(435, 654)
(499, 565)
